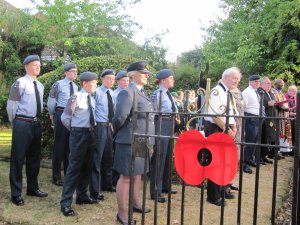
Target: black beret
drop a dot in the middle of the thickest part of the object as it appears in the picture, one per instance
(164, 73)
(107, 72)
(30, 59)
(69, 66)
(121, 74)
(87, 76)
(254, 77)
(141, 66)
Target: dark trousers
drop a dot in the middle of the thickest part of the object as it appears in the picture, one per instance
(163, 172)
(102, 162)
(251, 132)
(168, 170)
(264, 140)
(82, 147)
(213, 190)
(61, 148)
(26, 144)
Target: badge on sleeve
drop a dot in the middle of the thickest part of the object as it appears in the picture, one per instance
(54, 90)
(14, 94)
(214, 157)
(71, 105)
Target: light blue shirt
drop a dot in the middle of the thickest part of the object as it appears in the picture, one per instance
(76, 112)
(116, 92)
(22, 100)
(59, 94)
(102, 103)
(166, 105)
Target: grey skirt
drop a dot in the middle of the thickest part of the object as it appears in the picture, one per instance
(122, 161)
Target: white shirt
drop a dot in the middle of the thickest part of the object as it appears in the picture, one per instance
(251, 100)
(218, 103)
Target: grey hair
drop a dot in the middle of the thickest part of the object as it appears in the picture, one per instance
(263, 79)
(278, 80)
(292, 87)
(230, 71)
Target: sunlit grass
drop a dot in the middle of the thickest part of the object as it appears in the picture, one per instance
(5, 142)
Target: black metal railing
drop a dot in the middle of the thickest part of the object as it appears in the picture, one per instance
(186, 115)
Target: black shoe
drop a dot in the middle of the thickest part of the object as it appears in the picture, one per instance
(123, 223)
(280, 156)
(37, 193)
(160, 198)
(229, 194)
(98, 197)
(266, 160)
(252, 163)
(247, 169)
(111, 189)
(173, 192)
(140, 210)
(17, 200)
(233, 187)
(217, 202)
(67, 211)
(58, 183)
(86, 200)
(262, 162)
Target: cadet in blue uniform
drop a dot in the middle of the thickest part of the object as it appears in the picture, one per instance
(122, 124)
(165, 79)
(123, 82)
(24, 108)
(101, 178)
(59, 94)
(79, 118)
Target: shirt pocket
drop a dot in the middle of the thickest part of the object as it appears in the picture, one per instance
(29, 91)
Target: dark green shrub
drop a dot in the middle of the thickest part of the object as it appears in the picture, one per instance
(3, 113)
(11, 64)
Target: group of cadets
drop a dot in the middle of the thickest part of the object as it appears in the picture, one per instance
(85, 120)
(93, 130)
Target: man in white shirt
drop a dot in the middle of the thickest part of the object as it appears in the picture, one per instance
(252, 107)
(218, 106)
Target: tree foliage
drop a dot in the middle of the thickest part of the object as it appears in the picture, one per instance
(257, 36)
(68, 19)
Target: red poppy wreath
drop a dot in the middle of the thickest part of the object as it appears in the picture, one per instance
(198, 157)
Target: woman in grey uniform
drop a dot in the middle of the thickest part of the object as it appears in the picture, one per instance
(122, 124)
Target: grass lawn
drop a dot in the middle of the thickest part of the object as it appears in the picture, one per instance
(5, 142)
(46, 211)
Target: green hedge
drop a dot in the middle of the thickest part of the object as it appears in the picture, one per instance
(3, 113)
(93, 64)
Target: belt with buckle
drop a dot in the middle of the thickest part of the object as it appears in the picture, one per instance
(60, 109)
(27, 118)
(85, 129)
(104, 123)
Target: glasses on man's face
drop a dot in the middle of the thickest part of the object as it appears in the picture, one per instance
(72, 71)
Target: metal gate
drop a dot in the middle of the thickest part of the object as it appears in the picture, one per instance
(187, 115)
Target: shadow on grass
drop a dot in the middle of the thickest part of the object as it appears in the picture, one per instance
(46, 211)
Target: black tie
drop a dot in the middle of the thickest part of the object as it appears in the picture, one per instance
(38, 100)
(92, 119)
(263, 113)
(71, 89)
(172, 102)
(110, 107)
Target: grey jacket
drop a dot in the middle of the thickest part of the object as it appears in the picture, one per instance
(122, 120)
